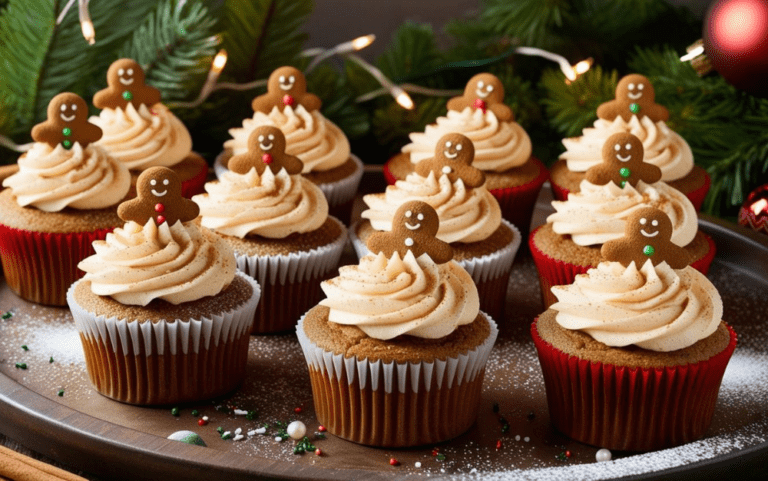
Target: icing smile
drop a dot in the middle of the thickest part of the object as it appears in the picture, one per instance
(127, 81)
(634, 96)
(67, 118)
(481, 94)
(411, 226)
(266, 146)
(159, 194)
(622, 158)
(450, 155)
(649, 234)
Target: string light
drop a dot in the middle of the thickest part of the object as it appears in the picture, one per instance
(414, 89)
(693, 53)
(569, 71)
(400, 95)
(86, 24)
(343, 48)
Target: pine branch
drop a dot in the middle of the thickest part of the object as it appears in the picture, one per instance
(529, 21)
(413, 49)
(338, 103)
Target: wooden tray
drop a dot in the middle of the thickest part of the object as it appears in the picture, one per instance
(116, 441)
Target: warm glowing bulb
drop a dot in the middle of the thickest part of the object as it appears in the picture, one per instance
(583, 66)
(402, 98)
(758, 206)
(692, 54)
(88, 32)
(220, 60)
(361, 42)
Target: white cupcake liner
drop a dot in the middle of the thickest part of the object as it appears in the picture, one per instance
(294, 267)
(191, 335)
(489, 266)
(461, 369)
(336, 193)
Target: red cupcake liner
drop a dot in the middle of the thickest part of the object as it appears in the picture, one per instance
(195, 185)
(552, 272)
(388, 176)
(630, 409)
(702, 264)
(558, 192)
(40, 266)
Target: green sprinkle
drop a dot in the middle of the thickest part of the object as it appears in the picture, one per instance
(623, 183)
(634, 108)
(504, 428)
(320, 435)
(226, 436)
(66, 131)
(67, 144)
(648, 250)
(251, 415)
(60, 393)
(175, 411)
(195, 413)
(51, 359)
(219, 429)
(625, 172)
(7, 315)
(127, 95)
(24, 346)
(298, 450)
(441, 457)
(21, 365)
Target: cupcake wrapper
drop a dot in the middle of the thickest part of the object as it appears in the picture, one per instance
(290, 283)
(702, 264)
(194, 185)
(388, 175)
(396, 405)
(166, 362)
(39, 266)
(517, 203)
(558, 192)
(629, 409)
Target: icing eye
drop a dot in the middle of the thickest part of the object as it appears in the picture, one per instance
(631, 86)
(292, 78)
(408, 213)
(63, 107)
(481, 84)
(655, 223)
(617, 147)
(121, 72)
(130, 72)
(271, 137)
(261, 138)
(153, 182)
(489, 88)
(628, 146)
(420, 216)
(282, 79)
(73, 106)
(640, 86)
(166, 182)
(643, 221)
(448, 144)
(458, 146)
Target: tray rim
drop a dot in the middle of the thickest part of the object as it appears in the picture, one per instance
(41, 424)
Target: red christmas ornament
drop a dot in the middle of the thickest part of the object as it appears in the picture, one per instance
(288, 100)
(754, 211)
(736, 42)
(480, 104)
(266, 158)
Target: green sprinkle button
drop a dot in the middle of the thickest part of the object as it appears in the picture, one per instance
(634, 108)
(648, 250)
(127, 95)
(623, 183)
(67, 144)
(625, 172)
(66, 131)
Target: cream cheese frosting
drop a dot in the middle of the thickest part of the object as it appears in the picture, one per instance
(499, 146)
(144, 138)
(387, 298)
(663, 147)
(178, 263)
(269, 205)
(466, 215)
(598, 213)
(656, 307)
(52, 178)
(317, 141)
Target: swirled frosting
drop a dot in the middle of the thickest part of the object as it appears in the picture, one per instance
(663, 147)
(466, 215)
(317, 141)
(54, 178)
(598, 213)
(656, 308)
(178, 263)
(145, 137)
(270, 205)
(387, 298)
(498, 145)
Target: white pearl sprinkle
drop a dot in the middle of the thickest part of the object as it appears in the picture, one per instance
(417, 464)
(252, 433)
(238, 437)
(408, 241)
(226, 433)
(603, 455)
(238, 430)
(240, 412)
(527, 439)
(205, 418)
(278, 439)
(296, 430)
(517, 438)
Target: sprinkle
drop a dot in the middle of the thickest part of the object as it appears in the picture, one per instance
(394, 462)
(195, 413)
(527, 439)
(297, 410)
(318, 452)
(498, 444)
(175, 411)
(205, 418)
(441, 457)
(7, 315)
(321, 428)
(517, 438)
(252, 432)
(226, 435)
(240, 412)
(238, 430)
(24, 346)
(60, 393)
(202, 422)
(50, 360)
(219, 429)
(278, 439)
(417, 464)
(21, 365)
(603, 455)
(435, 451)
(238, 437)
(260, 430)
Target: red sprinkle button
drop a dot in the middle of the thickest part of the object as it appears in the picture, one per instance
(159, 208)
(480, 104)
(288, 100)
(266, 158)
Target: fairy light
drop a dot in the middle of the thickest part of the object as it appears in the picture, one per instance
(400, 95)
(343, 48)
(402, 98)
(583, 66)
(693, 53)
(85, 22)
(361, 42)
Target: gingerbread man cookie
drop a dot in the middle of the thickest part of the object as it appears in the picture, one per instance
(454, 154)
(125, 84)
(634, 96)
(286, 86)
(266, 148)
(623, 163)
(484, 91)
(159, 198)
(646, 236)
(67, 123)
(414, 228)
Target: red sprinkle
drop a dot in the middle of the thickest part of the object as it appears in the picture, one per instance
(498, 444)
(201, 422)
(435, 451)
(160, 219)
(266, 158)
(394, 462)
(159, 208)
(568, 454)
(318, 452)
(480, 104)
(287, 100)
(297, 410)
(321, 429)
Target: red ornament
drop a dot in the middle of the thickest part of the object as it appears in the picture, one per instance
(736, 42)
(480, 104)
(160, 219)
(266, 158)
(394, 462)
(754, 211)
(159, 208)
(288, 100)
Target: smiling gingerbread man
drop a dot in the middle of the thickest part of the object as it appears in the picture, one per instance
(454, 154)
(159, 198)
(266, 148)
(647, 235)
(634, 96)
(414, 228)
(67, 123)
(125, 84)
(484, 91)
(623, 163)
(287, 86)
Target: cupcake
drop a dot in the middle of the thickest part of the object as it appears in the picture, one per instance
(62, 198)
(569, 243)
(633, 357)
(141, 132)
(277, 222)
(633, 111)
(397, 351)
(318, 142)
(163, 315)
(502, 148)
(470, 218)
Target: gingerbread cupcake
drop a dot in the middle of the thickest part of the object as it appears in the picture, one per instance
(277, 222)
(397, 351)
(633, 356)
(470, 217)
(569, 243)
(62, 198)
(502, 148)
(318, 142)
(141, 132)
(635, 111)
(163, 315)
